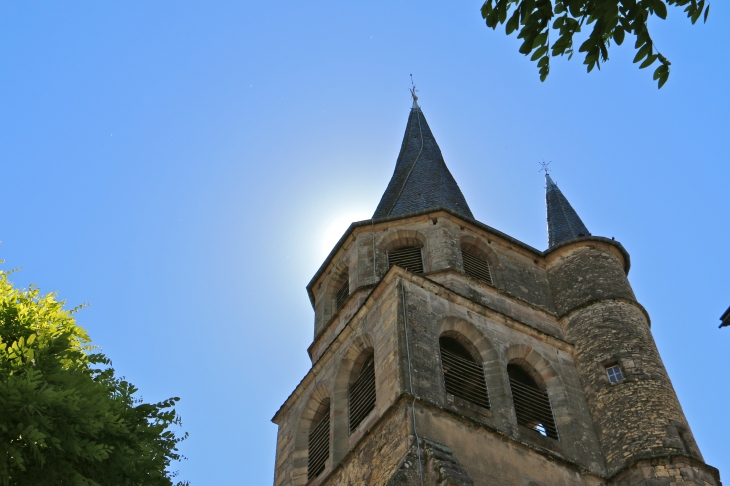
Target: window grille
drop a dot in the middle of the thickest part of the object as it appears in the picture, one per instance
(362, 394)
(406, 257)
(614, 373)
(476, 267)
(463, 375)
(342, 294)
(319, 445)
(532, 405)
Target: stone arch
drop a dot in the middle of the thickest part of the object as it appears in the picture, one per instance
(468, 335)
(351, 362)
(319, 401)
(339, 274)
(534, 364)
(545, 375)
(402, 237)
(398, 238)
(481, 249)
(476, 340)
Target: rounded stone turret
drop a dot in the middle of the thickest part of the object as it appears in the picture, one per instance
(638, 415)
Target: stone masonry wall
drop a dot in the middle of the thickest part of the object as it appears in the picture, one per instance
(372, 328)
(563, 315)
(432, 310)
(375, 460)
(515, 270)
(584, 273)
(639, 416)
(674, 471)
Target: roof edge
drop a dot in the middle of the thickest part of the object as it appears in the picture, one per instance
(725, 318)
(602, 239)
(478, 224)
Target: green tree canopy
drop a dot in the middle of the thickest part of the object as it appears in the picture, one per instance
(64, 417)
(611, 20)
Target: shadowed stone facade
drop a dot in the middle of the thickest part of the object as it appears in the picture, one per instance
(563, 316)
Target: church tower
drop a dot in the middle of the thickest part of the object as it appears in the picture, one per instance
(448, 353)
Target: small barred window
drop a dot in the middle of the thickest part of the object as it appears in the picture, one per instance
(532, 404)
(463, 375)
(319, 444)
(406, 257)
(343, 293)
(476, 267)
(614, 373)
(362, 394)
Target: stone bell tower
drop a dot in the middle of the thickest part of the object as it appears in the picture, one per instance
(446, 352)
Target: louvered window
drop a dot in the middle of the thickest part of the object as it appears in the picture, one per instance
(532, 405)
(319, 445)
(362, 394)
(476, 267)
(407, 257)
(342, 294)
(463, 375)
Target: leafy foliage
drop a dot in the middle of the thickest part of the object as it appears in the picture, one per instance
(611, 20)
(64, 417)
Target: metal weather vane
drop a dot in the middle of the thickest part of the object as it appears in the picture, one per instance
(545, 167)
(413, 90)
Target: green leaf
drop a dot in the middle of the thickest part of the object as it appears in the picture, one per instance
(660, 9)
(539, 53)
(540, 40)
(707, 12)
(648, 61)
(618, 35)
(663, 80)
(643, 52)
(513, 23)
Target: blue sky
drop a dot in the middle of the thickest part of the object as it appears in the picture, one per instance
(185, 167)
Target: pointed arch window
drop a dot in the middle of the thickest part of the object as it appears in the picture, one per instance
(532, 404)
(407, 257)
(463, 374)
(319, 442)
(362, 393)
(476, 267)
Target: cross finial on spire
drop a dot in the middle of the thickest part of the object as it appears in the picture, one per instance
(545, 167)
(413, 91)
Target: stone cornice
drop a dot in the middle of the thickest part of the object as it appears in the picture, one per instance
(592, 302)
(473, 222)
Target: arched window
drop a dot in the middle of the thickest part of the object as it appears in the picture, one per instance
(463, 375)
(406, 257)
(343, 292)
(319, 441)
(476, 267)
(362, 393)
(532, 404)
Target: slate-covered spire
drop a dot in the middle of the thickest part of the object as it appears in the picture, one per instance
(421, 179)
(563, 222)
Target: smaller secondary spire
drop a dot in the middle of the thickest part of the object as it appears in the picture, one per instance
(563, 222)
